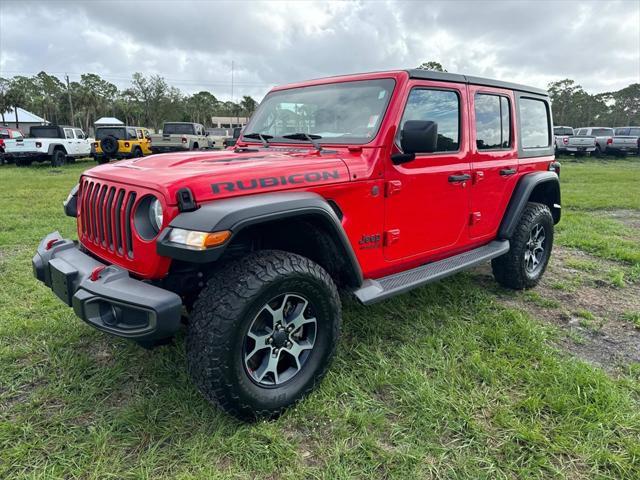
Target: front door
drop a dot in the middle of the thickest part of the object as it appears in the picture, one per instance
(427, 199)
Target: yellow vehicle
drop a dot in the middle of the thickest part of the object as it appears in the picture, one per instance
(120, 142)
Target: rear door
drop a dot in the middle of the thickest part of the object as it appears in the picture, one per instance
(494, 163)
(427, 199)
(70, 142)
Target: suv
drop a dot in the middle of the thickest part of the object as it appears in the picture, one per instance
(8, 137)
(372, 183)
(180, 136)
(120, 142)
(54, 143)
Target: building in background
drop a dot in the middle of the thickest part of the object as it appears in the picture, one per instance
(26, 120)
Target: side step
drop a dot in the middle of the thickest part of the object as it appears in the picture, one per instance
(373, 291)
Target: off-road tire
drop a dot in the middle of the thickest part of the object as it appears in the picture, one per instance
(509, 270)
(137, 153)
(59, 158)
(223, 314)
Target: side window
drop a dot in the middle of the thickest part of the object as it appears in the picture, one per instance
(493, 121)
(582, 131)
(68, 133)
(147, 134)
(79, 133)
(439, 106)
(534, 123)
(131, 133)
(622, 131)
(15, 134)
(140, 134)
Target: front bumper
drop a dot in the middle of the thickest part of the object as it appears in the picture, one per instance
(114, 302)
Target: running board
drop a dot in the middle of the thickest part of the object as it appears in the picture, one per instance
(373, 291)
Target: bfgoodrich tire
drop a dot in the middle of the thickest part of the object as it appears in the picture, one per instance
(262, 333)
(531, 244)
(59, 158)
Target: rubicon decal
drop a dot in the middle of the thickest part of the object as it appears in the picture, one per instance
(268, 182)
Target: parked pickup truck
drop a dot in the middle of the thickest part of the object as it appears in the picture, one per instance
(625, 140)
(180, 136)
(561, 138)
(602, 135)
(54, 143)
(8, 136)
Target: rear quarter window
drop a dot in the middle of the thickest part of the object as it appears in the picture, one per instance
(534, 123)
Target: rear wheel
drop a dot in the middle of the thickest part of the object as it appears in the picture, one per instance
(58, 158)
(262, 333)
(137, 153)
(598, 151)
(525, 262)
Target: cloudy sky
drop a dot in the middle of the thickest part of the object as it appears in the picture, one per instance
(193, 43)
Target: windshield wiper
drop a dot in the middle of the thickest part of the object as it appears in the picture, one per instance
(306, 136)
(263, 137)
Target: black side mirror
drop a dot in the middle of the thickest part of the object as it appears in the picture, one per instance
(417, 136)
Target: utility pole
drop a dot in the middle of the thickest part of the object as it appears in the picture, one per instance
(232, 80)
(73, 123)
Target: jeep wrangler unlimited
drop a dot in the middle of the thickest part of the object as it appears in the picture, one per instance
(373, 183)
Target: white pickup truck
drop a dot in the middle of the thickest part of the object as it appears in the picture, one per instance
(567, 142)
(180, 136)
(53, 143)
(625, 140)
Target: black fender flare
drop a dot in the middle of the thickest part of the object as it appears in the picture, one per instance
(236, 214)
(523, 194)
(53, 146)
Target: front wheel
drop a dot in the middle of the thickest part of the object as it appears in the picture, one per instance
(525, 262)
(262, 333)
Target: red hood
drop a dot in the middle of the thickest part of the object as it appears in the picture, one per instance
(226, 173)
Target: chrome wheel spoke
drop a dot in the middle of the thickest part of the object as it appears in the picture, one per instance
(297, 349)
(260, 344)
(269, 365)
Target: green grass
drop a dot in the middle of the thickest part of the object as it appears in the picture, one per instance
(443, 382)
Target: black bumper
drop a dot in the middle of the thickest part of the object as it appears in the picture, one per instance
(114, 302)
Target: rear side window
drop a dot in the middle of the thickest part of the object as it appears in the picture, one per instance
(534, 123)
(634, 131)
(131, 134)
(493, 121)
(440, 106)
(44, 132)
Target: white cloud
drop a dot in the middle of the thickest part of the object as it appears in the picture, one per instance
(192, 44)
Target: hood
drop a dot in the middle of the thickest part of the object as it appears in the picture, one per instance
(220, 174)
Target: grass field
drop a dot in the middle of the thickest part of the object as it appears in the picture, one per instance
(460, 379)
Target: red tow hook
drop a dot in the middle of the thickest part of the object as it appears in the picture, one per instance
(95, 273)
(51, 243)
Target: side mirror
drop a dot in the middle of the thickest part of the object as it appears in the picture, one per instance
(417, 136)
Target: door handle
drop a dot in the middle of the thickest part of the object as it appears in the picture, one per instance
(459, 178)
(505, 172)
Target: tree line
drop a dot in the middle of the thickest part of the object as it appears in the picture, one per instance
(148, 101)
(574, 107)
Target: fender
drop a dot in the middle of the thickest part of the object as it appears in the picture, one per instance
(238, 213)
(522, 194)
(53, 146)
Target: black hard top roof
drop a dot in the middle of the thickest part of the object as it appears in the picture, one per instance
(459, 78)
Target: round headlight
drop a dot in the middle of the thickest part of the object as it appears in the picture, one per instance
(155, 214)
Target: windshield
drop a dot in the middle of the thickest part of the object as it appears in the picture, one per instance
(345, 113)
(117, 132)
(178, 129)
(44, 132)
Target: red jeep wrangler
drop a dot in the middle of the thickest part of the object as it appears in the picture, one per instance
(375, 184)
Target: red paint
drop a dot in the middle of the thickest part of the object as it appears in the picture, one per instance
(422, 216)
(95, 273)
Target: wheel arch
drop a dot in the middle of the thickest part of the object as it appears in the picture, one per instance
(540, 187)
(57, 146)
(299, 222)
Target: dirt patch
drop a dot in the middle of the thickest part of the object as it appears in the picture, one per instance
(587, 299)
(630, 218)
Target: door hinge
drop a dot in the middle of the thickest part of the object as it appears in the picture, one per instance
(392, 187)
(391, 237)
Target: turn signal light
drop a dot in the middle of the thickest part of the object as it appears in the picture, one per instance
(199, 240)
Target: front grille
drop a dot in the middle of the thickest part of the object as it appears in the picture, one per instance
(105, 214)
